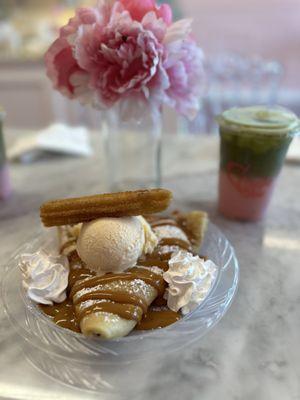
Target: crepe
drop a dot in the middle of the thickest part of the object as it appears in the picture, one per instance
(112, 305)
(110, 325)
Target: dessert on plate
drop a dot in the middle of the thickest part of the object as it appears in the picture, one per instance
(121, 265)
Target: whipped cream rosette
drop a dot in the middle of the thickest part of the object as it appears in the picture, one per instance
(190, 279)
(45, 277)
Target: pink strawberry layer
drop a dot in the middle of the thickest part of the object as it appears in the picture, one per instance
(5, 187)
(244, 198)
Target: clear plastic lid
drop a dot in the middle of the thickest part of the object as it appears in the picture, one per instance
(261, 119)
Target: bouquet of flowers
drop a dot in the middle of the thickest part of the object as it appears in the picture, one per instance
(130, 53)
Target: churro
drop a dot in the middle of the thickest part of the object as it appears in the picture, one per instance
(75, 210)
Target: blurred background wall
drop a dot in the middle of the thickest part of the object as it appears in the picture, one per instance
(269, 28)
(252, 47)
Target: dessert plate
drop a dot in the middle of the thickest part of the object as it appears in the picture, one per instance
(99, 365)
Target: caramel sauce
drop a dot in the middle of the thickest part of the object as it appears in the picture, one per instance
(63, 314)
(159, 302)
(78, 274)
(134, 273)
(163, 222)
(115, 296)
(166, 256)
(157, 319)
(151, 278)
(126, 311)
(78, 270)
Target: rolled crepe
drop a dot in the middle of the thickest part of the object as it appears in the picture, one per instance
(111, 305)
(193, 223)
(111, 325)
(196, 223)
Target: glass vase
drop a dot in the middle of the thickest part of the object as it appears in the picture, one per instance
(132, 151)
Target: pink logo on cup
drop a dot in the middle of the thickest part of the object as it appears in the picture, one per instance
(238, 175)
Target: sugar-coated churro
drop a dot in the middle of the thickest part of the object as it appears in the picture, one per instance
(75, 210)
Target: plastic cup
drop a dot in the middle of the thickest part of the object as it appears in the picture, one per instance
(254, 143)
(5, 186)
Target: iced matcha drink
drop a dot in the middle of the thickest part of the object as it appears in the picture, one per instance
(254, 143)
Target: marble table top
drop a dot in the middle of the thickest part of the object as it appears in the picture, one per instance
(253, 353)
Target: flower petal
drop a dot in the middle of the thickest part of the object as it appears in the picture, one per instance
(178, 31)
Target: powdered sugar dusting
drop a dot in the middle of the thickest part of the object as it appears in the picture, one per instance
(170, 231)
(154, 269)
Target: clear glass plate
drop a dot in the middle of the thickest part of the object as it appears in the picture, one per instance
(98, 365)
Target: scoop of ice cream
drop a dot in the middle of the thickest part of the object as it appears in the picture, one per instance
(151, 240)
(111, 244)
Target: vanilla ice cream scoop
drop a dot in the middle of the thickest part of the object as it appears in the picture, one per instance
(111, 244)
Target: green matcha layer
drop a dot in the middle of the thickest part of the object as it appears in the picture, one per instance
(263, 156)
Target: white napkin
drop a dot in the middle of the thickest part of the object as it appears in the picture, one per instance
(293, 155)
(57, 138)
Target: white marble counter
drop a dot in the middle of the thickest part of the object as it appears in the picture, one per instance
(252, 353)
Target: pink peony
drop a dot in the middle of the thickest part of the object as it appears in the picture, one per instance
(139, 8)
(184, 67)
(186, 75)
(127, 52)
(59, 59)
(122, 58)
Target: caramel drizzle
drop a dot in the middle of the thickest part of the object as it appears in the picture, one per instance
(163, 222)
(126, 311)
(166, 256)
(179, 222)
(148, 277)
(125, 305)
(78, 271)
(113, 296)
(78, 274)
